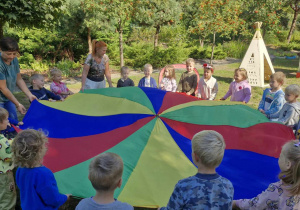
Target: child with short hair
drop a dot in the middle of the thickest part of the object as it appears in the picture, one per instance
(188, 80)
(207, 86)
(168, 83)
(57, 86)
(7, 184)
(125, 81)
(239, 89)
(290, 112)
(207, 189)
(105, 174)
(37, 184)
(273, 98)
(147, 80)
(37, 89)
(283, 194)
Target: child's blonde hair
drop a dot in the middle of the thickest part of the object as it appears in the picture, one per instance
(171, 70)
(34, 77)
(279, 77)
(105, 171)
(243, 72)
(190, 61)
(29, 148)
(3, 114)
(54, 72)
(209, 146)
(293, 89)
(148, 66)
(124, 68)
(291, 150)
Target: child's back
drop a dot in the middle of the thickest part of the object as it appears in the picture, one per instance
(105, 174)
(37, 184)
(38, 188)
(207, 189)
(202, 191)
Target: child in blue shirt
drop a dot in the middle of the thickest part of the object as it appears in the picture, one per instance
(37, 184)
(37, 89)
(273, 98)
(147, 80)
(207, 189)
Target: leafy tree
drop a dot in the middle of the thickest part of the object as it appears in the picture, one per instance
(24, 13)
(295, 5)
(156, 13)
(212, 17)
(266, 11)
(119, 13)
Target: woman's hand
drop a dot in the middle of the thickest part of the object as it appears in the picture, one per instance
(21, 109)
(32, 97)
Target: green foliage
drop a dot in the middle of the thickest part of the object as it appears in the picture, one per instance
(235, 49)
(138, 54)
(39, 66)
(38, 13)
(69, 68)
(205, 53)
(25, 60)
(286, 46)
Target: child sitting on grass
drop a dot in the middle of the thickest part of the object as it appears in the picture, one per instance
(273, 98)
(188, 80)
(7, 184)
(290, 112)
(37, 184)
(207, 86)
(147, 80)
(105, 174)
(168, 83)
(58, 87)
(37, 89)
(239, 89)
(125, 81)
(285, 193)
(207, 189)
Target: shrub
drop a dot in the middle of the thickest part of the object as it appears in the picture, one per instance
(235, 49)
(286, 46)
(39, 66)
(202, 53)
(69, 68)
(25, 60)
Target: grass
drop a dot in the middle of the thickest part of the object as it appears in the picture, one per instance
(224, 75)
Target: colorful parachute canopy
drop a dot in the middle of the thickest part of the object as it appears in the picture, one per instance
(152, 131)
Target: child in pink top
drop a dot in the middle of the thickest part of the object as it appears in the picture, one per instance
(168, 83)
(284, 194)
(58, 87)
(239, 90)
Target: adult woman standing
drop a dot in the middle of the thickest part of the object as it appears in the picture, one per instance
(95, 67)
(10, 77)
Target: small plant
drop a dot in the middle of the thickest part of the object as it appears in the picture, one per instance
(69, 68)
(39, 66)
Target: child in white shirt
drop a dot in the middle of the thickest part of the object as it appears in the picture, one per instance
(207, 86)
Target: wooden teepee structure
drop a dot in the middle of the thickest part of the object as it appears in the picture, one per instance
(257, 61)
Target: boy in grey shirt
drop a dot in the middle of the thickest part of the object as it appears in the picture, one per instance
(105, 174)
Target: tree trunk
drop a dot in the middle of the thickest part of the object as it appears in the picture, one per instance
(1, 29)
(89, 40)
(201, 42)
(293, 26)
(212, 48)
(121, 43)
(156, 36)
